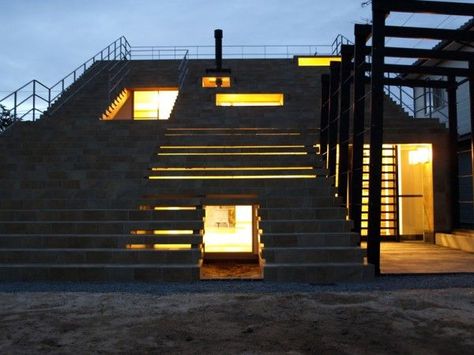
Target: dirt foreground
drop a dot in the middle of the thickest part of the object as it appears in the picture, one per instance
(378, 322)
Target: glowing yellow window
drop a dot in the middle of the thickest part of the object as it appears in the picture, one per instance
(214, 82)
(317, 61)
(153, 104)
(249, 99)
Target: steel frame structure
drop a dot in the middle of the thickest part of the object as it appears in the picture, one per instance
(352, 71)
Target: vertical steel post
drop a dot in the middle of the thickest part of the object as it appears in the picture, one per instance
(471, 105)
(333, 116)
(344, 107)
(376, 135)
(324, 121)
(34, 99)
(358, 127)
(453, 148)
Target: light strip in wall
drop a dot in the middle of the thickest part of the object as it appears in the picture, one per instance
(275, 99)
(230, 177)
(239, 153)
(256, 168)
(228, 146)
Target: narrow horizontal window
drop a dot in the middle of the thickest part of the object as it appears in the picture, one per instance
(249, 99)
(317, 61)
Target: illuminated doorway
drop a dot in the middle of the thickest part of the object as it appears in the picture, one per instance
(231, 247)
(407, 192)
(415, 198)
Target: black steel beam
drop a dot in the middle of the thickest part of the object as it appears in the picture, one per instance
(347, 52)
(427, 7)
(428, 33)
(376, 137)
(418, 69)
(323, 132)
(471, 103)
(428, 54)
(453, 148)
(358, 127)
(413, 83)
(363, 31)
(333, 116)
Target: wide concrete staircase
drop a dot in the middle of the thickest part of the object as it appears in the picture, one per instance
(303, 232)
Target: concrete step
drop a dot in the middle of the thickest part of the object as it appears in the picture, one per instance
(302, 213)
(296, 255)
(97, 256)
(95, 227)
(318, 272)
(323, 239)
(234, 160)
(268, 173)
(101, 215)
(114, 241)
(305, 226)
(101, 272)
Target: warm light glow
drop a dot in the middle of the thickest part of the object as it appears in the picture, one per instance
(153, 104)
(230, 177)
(160, 231)
(211, 81)
(249, 99)
(171, 246)
(256, 168)
(157, 208)
(228, 229)
(317, 61)
(419, 156)
(237, 153)
(228, 146)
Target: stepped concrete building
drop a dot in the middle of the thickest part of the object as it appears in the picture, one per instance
(152, 169)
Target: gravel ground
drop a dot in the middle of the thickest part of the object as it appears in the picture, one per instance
(392, 315)
(384, 283)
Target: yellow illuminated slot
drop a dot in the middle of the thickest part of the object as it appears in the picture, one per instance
(249, 99)
(211, 81)
(174, 208)
(161, 231)
(239, 153)
(136, 246)
(230, 177)
(171, 246)
(228, 146)
(317, 61)
(257, 168)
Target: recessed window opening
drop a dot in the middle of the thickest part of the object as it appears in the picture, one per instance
(216, 82)
(153, 104)
(317, 61)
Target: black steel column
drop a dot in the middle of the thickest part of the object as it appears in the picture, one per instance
(376, 135)
(333, 116)
(344, 115)
(324, 120)
(358, 127)
(471, 103)
(453, 148)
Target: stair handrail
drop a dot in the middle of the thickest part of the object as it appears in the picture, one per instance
(183, 69)
(119, 49)
(117, 78)
(338, 42)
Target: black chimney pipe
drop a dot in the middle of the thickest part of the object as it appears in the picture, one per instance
(218, 69)
(218, 37)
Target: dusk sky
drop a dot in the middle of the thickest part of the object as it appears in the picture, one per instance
(46, 39)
